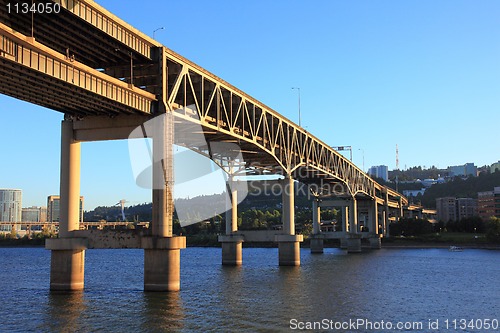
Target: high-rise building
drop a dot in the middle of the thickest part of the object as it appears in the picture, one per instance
(453, 209)
(488, 203)
(10, 207)
(468, 169)
(53, 204)
(379, 171)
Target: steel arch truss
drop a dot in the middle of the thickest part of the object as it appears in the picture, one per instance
(266, 138)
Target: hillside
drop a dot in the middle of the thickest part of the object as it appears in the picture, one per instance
(461, 188)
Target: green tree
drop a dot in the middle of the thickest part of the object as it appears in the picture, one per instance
(493, 230)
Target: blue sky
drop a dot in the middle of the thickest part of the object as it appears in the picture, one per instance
(424, 75)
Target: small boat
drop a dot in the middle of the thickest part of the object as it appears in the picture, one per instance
(456, 249)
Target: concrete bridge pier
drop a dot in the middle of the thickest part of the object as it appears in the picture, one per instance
(386, 214)
(67, 263)
(231, 243)
(316, 239)
(162, 249)
(345, 226)
(288, 242)
(353, 236)
(375, 242)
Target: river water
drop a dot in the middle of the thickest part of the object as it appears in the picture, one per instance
(334, 291)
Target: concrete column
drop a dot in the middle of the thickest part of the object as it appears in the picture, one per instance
(232, 244)
(163, 175)
(375, 242)
(345, 226)
(354, 243)
(353, 216)
(288, 243)
(69, 209)
(316, 239)
(353, 237)
(232, 211)
(162, 263)
(316, 211)
(386, 219)
(288, 205)
(400, 208)
(67, 265)
(375, 218)
(383, 223)
(345, 219)
(162, 250)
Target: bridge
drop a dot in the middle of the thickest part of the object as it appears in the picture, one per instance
(108, 79)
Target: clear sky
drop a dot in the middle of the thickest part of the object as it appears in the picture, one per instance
(424, 75)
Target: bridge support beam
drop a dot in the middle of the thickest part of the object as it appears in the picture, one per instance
(232, 244)
(316, 239)
(162, 250)
(288, 243)
(67, 267)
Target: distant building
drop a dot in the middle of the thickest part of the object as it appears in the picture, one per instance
(380, 171)
(468, 169)
(10, 207)
(453, 209)
(413, 193)
(495, 167)
(446, 209)
(488, 204)
(466, 207)
(31, 214)
(53, 208)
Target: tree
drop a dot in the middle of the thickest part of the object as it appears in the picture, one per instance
(493, 230)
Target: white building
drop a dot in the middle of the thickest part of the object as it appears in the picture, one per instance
(10, 207)
(379, 171)
(495, 166)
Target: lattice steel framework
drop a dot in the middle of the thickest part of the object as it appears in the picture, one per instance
(121, 71)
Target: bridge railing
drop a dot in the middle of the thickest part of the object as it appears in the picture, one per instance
(42, 59)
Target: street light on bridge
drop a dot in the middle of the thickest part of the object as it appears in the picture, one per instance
(154, 31)
(298, 89)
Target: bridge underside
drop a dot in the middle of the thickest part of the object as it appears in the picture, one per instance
(109, 78)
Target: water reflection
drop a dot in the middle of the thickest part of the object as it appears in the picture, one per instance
(65, 312)
(162, 312)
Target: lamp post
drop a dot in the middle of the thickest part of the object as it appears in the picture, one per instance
(154, 31)
(298, 89)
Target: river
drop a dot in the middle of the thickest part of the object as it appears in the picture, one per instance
(388, 290)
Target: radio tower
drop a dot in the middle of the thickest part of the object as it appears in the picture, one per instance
(397, 166)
